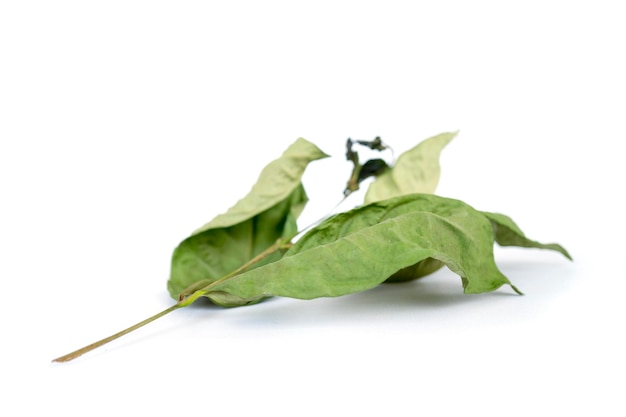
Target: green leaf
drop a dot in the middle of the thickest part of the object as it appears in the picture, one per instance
(416, 171)
(267, 213)
(507, 233)
(275, 183)
(357, 250)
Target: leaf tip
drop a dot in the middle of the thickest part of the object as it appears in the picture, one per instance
(516, 289)
(558, 248)
(567, 255)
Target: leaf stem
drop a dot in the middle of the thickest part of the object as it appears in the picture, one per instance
(183, 302)
(88, 348)
(190, 295)
(321, 219)
(278, 245)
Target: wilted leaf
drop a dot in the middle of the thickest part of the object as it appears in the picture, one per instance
(275, 183)
(507, 233)
(267, 213)
(416, 171)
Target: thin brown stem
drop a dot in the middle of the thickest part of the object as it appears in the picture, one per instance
(184, 302)
(188, 296)
(278, 245)
(88, 348)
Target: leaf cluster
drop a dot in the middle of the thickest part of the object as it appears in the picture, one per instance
(402, 232)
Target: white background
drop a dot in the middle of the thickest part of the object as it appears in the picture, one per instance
(124, 125)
